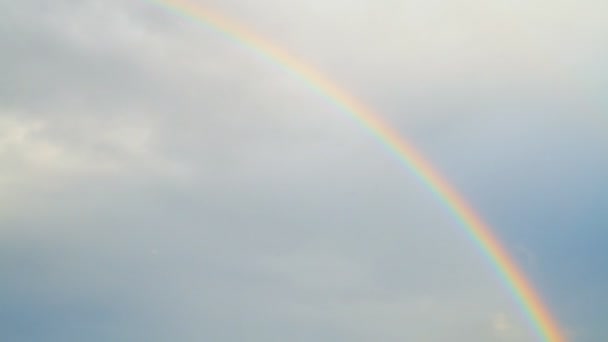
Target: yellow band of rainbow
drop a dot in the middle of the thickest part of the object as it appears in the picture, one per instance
(529, 300)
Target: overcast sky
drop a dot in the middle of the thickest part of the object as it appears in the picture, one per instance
(160, 182)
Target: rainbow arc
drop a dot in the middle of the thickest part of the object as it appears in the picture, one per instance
(477, 230)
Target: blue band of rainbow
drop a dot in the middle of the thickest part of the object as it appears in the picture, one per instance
(478, 231)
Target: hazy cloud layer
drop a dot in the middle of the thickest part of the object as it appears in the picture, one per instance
(160, 182)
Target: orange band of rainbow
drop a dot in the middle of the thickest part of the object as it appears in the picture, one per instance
(477, 230)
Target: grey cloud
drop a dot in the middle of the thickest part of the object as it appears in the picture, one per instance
(176, 262)
(240, 205)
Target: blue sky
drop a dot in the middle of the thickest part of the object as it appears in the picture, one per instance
(160, 182)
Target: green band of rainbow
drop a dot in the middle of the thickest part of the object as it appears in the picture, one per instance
(477, 230)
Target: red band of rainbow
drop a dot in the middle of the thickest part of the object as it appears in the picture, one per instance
(529, 300)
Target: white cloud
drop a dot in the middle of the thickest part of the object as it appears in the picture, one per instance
(169, 173)
(504, 329)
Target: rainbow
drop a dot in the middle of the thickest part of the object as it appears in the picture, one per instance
(478, 231)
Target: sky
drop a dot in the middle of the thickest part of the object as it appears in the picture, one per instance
(162, 182)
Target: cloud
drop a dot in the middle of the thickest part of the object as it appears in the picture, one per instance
(162, 182)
